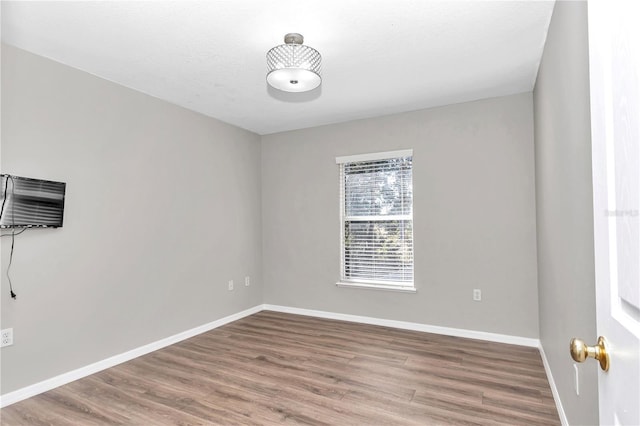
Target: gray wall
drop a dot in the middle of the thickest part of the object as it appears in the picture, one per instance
(564, 206)
(162, 209)
(474, 214)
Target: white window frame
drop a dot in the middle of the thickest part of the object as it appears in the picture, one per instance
(362, 283)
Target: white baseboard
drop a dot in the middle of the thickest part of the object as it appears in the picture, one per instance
(458, 332)
(63, 379)
(554, 389)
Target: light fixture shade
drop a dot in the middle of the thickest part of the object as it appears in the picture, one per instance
(292, 67)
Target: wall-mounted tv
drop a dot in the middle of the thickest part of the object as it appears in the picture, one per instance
(31, 203)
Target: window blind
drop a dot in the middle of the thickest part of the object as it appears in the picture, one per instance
(377, 219)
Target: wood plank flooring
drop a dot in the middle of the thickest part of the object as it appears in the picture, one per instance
(273, 368)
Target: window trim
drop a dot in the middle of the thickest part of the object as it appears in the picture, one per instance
(403, 287)
(374, 156)
(374, 286)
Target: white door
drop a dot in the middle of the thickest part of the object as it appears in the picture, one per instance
(614, 56)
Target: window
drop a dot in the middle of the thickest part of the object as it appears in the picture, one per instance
(376, 211)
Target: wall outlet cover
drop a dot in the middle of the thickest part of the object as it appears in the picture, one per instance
(6, 337)
(477, 294)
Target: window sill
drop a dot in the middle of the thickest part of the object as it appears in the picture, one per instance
(385, 287)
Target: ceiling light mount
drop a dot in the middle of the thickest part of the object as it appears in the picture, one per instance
(294, 67)
(293, 38)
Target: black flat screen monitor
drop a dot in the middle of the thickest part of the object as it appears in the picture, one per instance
(31, 203)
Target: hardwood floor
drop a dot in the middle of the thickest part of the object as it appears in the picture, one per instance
(274, 368)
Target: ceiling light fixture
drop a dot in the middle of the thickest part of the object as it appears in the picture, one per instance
(293, 67)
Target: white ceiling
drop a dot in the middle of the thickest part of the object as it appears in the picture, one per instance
(379, 56)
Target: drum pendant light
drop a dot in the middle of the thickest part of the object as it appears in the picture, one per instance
(293, 67)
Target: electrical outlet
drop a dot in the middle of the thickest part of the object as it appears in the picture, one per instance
(6, 338)
(230, 285)
(247, 281)
(477, 294)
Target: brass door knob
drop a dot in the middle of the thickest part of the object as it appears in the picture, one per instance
(581, 351)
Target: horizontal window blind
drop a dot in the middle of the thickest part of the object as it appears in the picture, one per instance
(377, 220)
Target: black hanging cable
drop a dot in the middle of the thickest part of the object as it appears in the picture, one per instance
(13, 229)
(17, 233)
(13, 240)
(13, 232)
